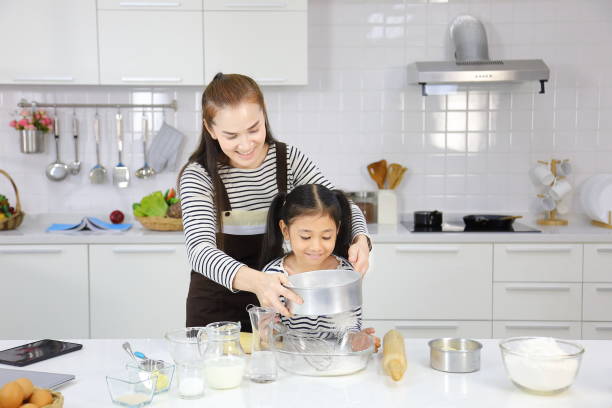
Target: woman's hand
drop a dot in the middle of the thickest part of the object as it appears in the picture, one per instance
(268, 287)
(359, 254)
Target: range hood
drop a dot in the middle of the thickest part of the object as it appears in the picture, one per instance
(472, 64)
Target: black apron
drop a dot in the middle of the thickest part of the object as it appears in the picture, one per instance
(208, 301)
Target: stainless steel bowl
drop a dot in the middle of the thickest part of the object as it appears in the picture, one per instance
(455, 355)
(326, 292)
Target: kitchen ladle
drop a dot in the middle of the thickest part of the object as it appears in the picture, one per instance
(97, 174)
(75, 166)
(57, 170)
(145, 171)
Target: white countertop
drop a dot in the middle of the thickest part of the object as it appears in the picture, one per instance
(32, 231)
(420, 387)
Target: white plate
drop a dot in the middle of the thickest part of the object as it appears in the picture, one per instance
(589, 196)
(584, 192)
(603, 199)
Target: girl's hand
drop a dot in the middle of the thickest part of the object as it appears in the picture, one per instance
(359, 254)
(270, 288)
(360, 341)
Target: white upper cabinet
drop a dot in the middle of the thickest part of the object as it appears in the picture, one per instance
(150, 5)
(150, 46)
(266, 40)
(48, 42)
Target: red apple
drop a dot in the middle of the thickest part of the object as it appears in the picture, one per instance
(116, 217)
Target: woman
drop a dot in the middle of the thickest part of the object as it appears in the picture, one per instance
(226, 188)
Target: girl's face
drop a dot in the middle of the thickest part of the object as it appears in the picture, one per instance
(312, 238)
(241, 133)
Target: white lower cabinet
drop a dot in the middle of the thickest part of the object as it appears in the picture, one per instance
(430, 329)
(597, 301)
(537, 301)
(566, 330)
(597, 330)
(429, 282)
(45, 292)
(137, 291)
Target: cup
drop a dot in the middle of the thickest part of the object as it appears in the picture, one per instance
(560, 189)
(262, 366)
(542, 174)
(564, 168)
(563, 206)
(185, 347)
(546, 202)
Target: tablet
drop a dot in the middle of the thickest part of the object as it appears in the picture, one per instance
(39, 378)
(36, 351)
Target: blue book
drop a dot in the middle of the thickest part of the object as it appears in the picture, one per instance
(89, 224)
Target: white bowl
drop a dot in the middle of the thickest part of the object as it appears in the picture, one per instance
(541, 365)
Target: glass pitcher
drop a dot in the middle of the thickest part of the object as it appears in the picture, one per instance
(224, 359)
(262, 366)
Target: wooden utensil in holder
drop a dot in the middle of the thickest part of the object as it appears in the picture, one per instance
(395, 173)
(551, 217)
(15, 220)
(378, 172)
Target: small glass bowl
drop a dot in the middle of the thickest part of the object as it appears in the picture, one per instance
(131, 393)
(539, 371)
(157, 368)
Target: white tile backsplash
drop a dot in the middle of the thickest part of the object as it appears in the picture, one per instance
(466, 151)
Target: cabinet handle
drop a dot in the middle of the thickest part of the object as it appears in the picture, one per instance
(275, 4)
(149, 4)
(31, 251)
(605, 250)
(424, 326)
(151, 79)
(535, 326)
(44, 78)
(144, 250)
(270, 80)
(426, 248)
(539, 249)
(603, 328)
(603, 289)
(537, 288)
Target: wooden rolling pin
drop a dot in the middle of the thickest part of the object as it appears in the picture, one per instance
(394, 355)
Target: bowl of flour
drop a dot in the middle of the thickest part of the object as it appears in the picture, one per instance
(541, 365)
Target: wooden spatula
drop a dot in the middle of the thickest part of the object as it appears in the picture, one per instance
(395, 173)
(378, 172)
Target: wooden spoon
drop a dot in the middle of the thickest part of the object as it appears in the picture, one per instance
(378, 172)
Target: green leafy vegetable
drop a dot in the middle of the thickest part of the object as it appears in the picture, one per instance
(152, 205)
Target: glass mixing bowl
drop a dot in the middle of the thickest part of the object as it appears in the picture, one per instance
(541, 365)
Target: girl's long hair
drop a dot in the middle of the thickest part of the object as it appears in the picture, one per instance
(306, 199)
(225, 90)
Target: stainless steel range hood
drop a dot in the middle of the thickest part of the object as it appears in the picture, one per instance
(472, 63)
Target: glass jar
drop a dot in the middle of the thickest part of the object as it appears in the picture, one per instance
(367, 202)
(224, 359)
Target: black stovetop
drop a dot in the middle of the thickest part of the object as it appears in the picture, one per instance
(459, 226)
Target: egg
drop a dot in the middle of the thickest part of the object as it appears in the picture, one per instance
(41, 397)
(27, 387)
(11, 395)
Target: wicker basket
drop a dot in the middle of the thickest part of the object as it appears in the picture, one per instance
(12, 222)
(58, 400)
(161, 223)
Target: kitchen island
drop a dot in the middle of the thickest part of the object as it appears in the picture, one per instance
(421, 386)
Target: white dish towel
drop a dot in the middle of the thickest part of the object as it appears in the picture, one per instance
(165, 147)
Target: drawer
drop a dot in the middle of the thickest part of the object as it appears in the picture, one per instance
(563, 330)
(597, 330)
(537, 263)
(597, 301)
(431, 329)
(597, 263)
(255, 5)
(537, 301)
(149, 4)
(429, 282)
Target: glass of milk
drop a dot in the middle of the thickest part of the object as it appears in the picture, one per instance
(262, 366)
(185, 347)
(224, 359)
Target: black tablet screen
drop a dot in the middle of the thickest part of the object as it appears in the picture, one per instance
(36, 351)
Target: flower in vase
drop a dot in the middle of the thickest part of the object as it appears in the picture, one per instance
(32, 120)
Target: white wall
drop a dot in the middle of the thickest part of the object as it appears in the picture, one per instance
(467, 151)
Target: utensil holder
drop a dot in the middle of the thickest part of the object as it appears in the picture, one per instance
(551, 217)
(32, 141)
(387, 207)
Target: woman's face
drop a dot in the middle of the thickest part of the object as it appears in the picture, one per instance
(312, 238)
(241, 133)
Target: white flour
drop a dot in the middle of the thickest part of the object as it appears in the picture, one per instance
(536, 370)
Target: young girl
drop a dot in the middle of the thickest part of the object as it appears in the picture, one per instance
(316, 222)
(226, 188)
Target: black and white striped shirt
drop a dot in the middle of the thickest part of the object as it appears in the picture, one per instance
(247, 190)
(349, 321)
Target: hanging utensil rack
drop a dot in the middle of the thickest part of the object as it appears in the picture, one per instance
(29, 104)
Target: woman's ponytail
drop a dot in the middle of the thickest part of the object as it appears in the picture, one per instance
(272, 246)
